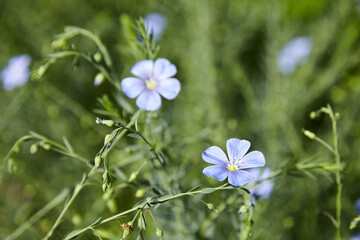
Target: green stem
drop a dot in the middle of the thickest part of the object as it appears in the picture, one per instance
(77, 190)
(337, 173)
(58, 199)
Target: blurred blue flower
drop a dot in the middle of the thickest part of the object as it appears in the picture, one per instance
(17, 72)
(356, 237)
(153, 78)
(357, 206)
(265, 186)
(232, 167)
(155, 23)
(293, 54)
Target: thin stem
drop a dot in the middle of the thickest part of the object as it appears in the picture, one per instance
(77, 190)
(58, 199)
(337, 173)
(325, 144)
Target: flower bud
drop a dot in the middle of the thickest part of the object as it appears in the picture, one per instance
(313, 115)
(59, 43)
(242, 209)
(45, 146)
(34, 148)
(107, 139)
(97, 57)
(98, 161)
(139, 193)
(309, 134)
(99, 79)
(159, 233)
(133, 176)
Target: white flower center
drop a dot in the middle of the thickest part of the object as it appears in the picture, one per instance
(150, 84)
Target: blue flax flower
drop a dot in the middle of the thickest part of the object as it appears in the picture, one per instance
(233, 167)
(17, 72)
(355, 237)
(357, 206)
(155, 24)
(293, 54)
(153, 79)
(265, 186)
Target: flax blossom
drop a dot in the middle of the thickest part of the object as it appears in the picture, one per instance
(152, 80)
(155, 24)
(357, 206)
(263, 187)
(294, 53)
(17, 72)
(234, 167)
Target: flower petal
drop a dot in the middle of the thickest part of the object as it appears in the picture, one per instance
(215, 155)
(163, 69)
(237, 148)
(132, 87)
(239, 178)
(217, 172)
(168, 88)
(149, 100)
(143, 69)
(252, 159)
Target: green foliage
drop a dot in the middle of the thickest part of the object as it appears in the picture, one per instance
(135, 167)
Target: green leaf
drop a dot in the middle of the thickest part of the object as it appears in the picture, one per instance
(134, 135)
(68, 145)
(354, 222)
(208, 190)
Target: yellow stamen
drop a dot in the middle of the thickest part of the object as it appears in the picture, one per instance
(232, 168)
(150, 84)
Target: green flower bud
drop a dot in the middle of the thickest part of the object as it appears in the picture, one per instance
(99, 79)
(59, 43)
(98, 161)
(45, 146)
(139, 193)
(313, 115)
(210, 206)
(133, 176)
(97, 57)
(34, 149)
(107, 139)
(159, 233)
(309, 134)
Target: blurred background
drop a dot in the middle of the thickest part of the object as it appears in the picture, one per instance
(249, 69)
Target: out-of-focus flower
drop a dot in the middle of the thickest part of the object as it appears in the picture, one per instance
(155, 24)
(264, 188)
(356, 237)
(17, 72)
(232, 167)
(153, 79)
(293, 54)
(357, 206)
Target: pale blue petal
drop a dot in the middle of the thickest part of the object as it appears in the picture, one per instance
(239, 178)
(215, 155)
(357, 206)
(143, 69)
(168, 88)
(163, 69)
(217, 172)
(149, 100)
(264, 189)
(236, 148)
(252, 160)
(155, 24)
(132, 87)
(17, 72)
